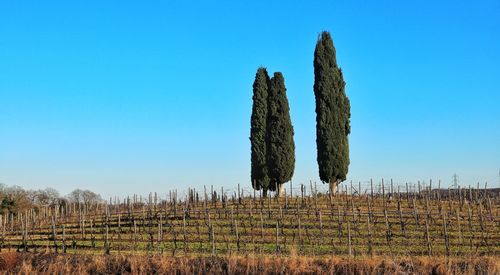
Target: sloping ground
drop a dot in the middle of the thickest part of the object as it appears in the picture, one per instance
(398, 224)
(32, 263)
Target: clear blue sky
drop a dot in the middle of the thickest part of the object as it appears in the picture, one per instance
(126, 97)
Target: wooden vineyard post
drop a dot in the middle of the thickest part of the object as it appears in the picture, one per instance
(370, 241)
(280, 214)
(351, 199)
(150, 228)
(212, 196)
(174, 233)
(415, 213)
(490, 211)
(54, 234)
(232, 220)
(24, 232)
(470, 194)
(200, 240)
(471, 231)
(388, 232)
(237, 236)
(391, 193)
(349, 238)
(135, 235)
(175, 202)
(211, 234)
(106, 241)
(315, 195)
(184, 232)
(428, 238)
(483, 228)
(286, 201)
(160, 233)
(402, 225)
(120, 226)
(92, 236)
(84, 235)
(407, 193)
(383, 192)
(260, 199)
(278, 249)
(252, 230)
(339, 221)
(205, 206)
(64, 238)
(301, 194)
(439, 191)
(299, 226)
(450, 203)
(460, 198)
(261, 224)
(213, 239)
(446, 237)
(429, 193)
(371, 188)
(460, 237)
(477, 192)
(269, 206)
(239, 196)
(440, 206)
(321, 227)
(369, 203)
(2, 223)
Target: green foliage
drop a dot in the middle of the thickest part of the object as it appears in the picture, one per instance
(280, 144)
(259, 173)
(332, 113)
(8, 205)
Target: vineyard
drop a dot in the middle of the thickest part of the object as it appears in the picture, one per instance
(395, 221)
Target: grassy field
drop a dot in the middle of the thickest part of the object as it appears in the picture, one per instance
(425, 223)
(50, 263)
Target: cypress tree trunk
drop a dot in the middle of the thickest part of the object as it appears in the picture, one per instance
(280, 144)
(332, 114)
(258, 131)
(333, 187)
(281, 190)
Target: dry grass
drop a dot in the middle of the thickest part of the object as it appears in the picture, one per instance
(32, 263)
(8, 260)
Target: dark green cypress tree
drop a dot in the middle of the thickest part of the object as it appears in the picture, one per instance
(333, 113)
(280, 144)
(259, 173)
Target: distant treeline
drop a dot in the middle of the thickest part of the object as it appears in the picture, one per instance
(15, 199)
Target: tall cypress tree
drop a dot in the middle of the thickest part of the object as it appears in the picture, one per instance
(333, 113)
(280, 144)
(259, 172)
